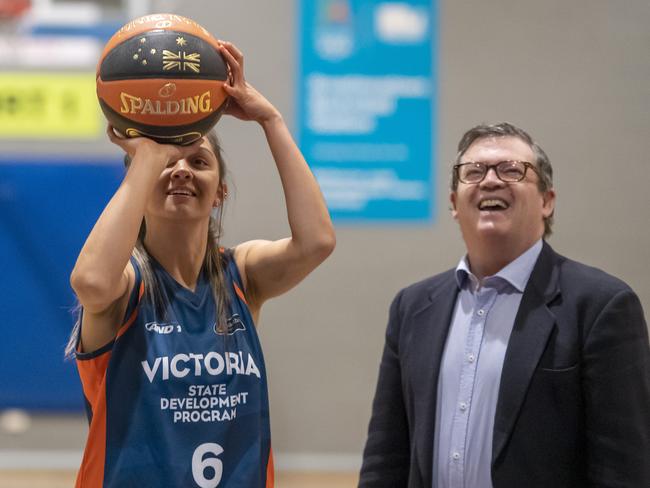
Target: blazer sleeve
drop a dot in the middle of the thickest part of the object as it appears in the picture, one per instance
(386, 456)
(616, 385)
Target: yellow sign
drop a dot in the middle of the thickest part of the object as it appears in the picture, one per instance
(49, 105)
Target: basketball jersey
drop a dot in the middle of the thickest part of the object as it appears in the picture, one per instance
(175, 401)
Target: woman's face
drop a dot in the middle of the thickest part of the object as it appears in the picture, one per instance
(188, 188)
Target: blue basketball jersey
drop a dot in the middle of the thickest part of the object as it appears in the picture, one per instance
(174, 400)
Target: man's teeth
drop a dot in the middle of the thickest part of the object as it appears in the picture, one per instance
(493, 203)
(181, 192)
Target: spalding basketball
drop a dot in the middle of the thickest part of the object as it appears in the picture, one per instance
(161, 76)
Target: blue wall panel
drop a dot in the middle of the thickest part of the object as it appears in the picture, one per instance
(47, 209)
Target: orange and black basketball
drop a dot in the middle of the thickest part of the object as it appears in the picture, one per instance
(161, 76)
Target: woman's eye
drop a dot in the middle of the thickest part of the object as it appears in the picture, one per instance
(200, 162)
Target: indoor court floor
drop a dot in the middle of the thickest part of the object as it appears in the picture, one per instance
(43, 454)
(65, 479)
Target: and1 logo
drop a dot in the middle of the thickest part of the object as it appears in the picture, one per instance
(234, 324)
(164, 328)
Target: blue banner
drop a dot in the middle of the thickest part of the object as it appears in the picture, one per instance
(47, 209)
(366, 105)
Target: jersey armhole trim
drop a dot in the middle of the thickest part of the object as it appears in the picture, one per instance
(237, 281)
(134, 314)
(87, 356)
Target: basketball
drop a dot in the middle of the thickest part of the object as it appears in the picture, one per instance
(161, 76)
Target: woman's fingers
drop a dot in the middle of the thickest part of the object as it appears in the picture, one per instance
(110, 130)
(235, 60)
(238, 55)
(235, 68)
(234, 50)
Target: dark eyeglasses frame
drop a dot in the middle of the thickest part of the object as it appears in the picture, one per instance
(488, 167)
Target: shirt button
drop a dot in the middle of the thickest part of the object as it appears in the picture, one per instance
(481, 312)
(471, 358)
(455, 456)
(462, 406)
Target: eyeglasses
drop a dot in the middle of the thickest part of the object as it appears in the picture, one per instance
(507, 171)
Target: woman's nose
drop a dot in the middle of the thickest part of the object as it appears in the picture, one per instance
(181, 170)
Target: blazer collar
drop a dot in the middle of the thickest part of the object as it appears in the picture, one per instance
(533, 325)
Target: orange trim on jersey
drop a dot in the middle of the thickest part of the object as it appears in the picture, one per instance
(240, 293)
(93, 380)
(270, 471)
(131, 319)
(238, 290)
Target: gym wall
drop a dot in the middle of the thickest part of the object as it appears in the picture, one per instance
(573, 74)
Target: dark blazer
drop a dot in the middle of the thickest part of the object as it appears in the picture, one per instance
(574, 402)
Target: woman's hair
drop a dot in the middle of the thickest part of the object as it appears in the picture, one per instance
(213, 262)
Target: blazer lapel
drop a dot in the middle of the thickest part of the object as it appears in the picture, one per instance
(430, 327)
(533, 325)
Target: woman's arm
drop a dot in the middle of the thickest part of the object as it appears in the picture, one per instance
(270, 268)
(102, 276)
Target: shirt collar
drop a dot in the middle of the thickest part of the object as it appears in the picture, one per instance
(516, 273)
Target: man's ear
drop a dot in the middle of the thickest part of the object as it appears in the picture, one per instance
(549, 203)
(452, 200)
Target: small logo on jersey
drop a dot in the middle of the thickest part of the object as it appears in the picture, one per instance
(234, 324)
(164, 328)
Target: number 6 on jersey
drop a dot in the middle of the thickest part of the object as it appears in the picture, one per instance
(201, 463)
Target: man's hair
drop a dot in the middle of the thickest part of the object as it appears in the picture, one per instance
(505, 129)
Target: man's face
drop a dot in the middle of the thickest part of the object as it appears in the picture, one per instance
(492, 211)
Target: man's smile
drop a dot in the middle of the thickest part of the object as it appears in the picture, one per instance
(493, 204)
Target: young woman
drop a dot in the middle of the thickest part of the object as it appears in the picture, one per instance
(170, 363)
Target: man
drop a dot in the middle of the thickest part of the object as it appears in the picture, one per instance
(519, 368)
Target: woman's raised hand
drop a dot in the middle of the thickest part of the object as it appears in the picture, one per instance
(245, 103)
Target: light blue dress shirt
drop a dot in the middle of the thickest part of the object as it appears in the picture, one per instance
(470, 371)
